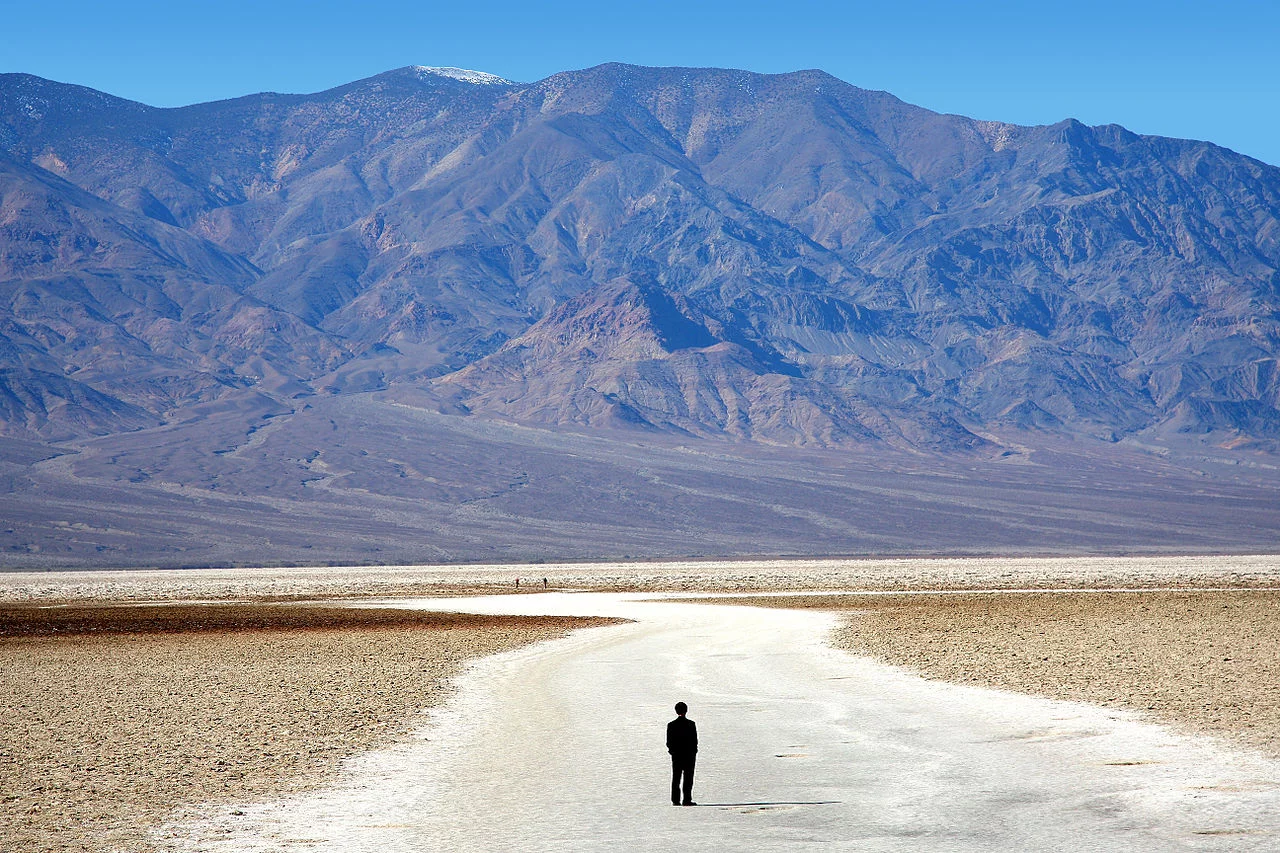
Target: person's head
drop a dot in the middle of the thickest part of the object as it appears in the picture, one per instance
(682, 708)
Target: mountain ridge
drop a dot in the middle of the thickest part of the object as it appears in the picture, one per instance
(867, 256)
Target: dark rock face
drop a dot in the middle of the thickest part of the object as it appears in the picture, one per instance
(783, 259)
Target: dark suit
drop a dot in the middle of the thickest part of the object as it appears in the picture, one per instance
(682, 743)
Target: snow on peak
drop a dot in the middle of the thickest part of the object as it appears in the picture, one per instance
(478, 77)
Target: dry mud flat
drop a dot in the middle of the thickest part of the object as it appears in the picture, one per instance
(770, 575)
(804, 746)
(114, 716)
(1202, 661)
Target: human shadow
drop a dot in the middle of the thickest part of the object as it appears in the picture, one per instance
(774, 803)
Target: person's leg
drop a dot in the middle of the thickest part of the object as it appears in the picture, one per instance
(676, 766)
(688, 780)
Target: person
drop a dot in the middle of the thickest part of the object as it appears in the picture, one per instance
(682, 743)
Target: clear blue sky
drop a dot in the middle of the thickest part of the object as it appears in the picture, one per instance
(1204, 69)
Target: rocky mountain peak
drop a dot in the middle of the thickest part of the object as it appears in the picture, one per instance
(464, 75)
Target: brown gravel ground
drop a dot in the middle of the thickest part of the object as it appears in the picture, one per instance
(1201, 661)
(112, 716)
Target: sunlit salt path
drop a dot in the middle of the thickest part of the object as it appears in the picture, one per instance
(559, 746)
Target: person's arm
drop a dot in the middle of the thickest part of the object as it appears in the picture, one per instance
(670, 745)
(693, 730)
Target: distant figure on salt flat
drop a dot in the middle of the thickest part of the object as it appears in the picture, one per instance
(682, 743)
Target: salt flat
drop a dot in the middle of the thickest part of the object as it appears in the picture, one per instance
(559, 746)
(776, 574)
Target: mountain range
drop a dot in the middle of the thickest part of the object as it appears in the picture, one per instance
(627, 254)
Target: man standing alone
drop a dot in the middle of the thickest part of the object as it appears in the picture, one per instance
(682, 743)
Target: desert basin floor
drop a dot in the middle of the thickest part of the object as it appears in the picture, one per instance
(559, 746)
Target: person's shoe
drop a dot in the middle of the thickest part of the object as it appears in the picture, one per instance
(675, 802)
(690, 803)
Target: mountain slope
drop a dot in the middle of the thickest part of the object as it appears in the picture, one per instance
(785, 258)
(113, 320)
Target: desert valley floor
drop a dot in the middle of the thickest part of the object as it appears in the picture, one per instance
(963, 704)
